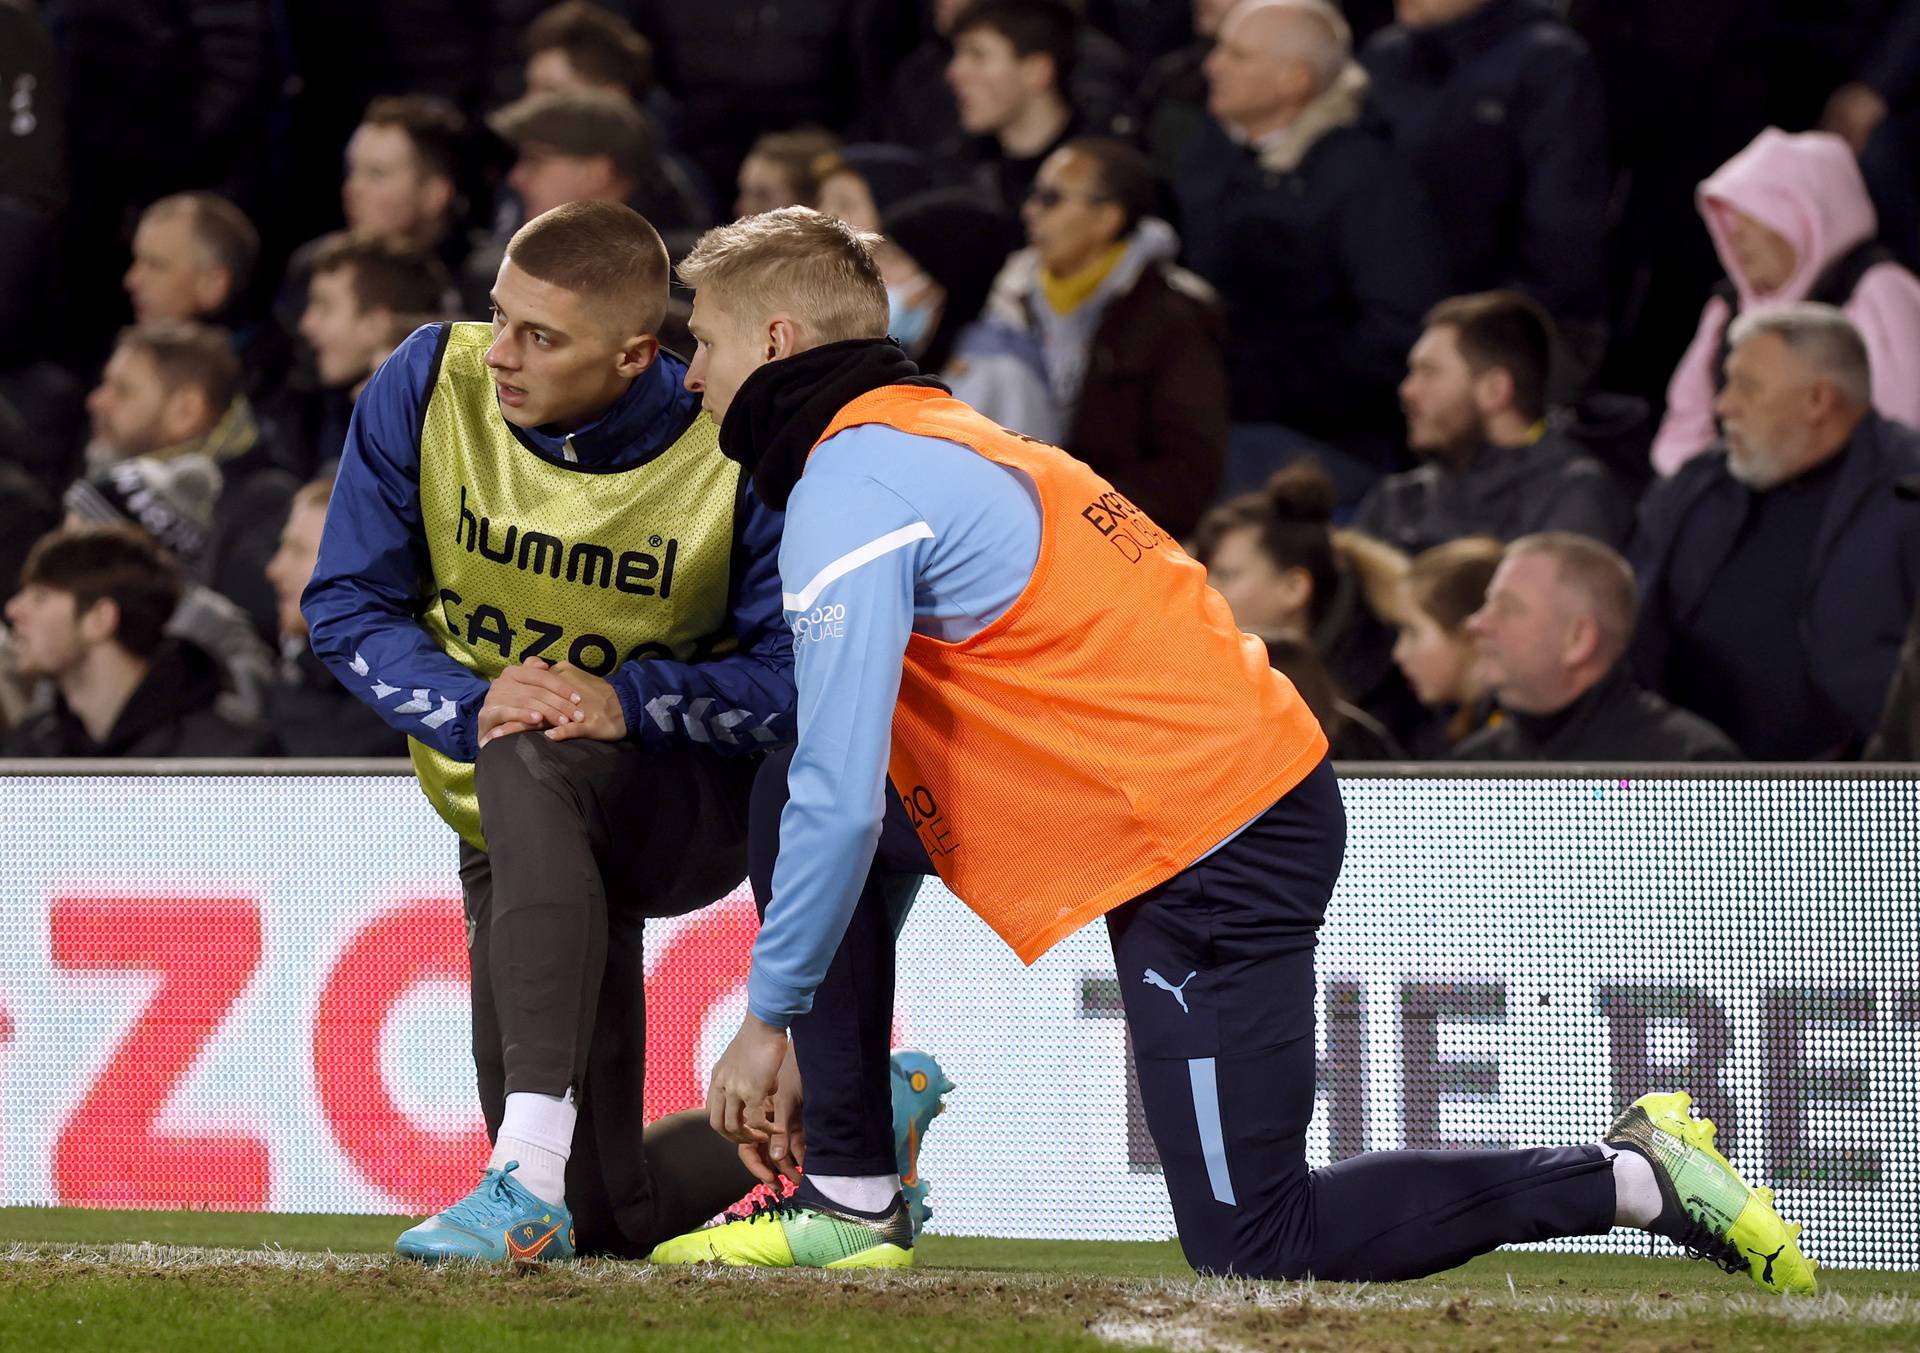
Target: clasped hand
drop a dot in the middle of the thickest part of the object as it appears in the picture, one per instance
(560, 698)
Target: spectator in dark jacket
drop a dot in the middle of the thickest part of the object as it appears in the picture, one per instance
(918, 109)
(1133, 345)
(194, 258)
(1011, 75)
(1316, 236)
(580, 45)
(1779, 573)
(595, 147)
(91, 617)
(310, 712)
(1475, 398)
(345, 54)
(361, 286)
(361, 289)
(403, 170)
(171, 390)
(1552, 637)
(1498, 105)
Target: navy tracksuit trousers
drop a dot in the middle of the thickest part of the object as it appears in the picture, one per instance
(1216, 974)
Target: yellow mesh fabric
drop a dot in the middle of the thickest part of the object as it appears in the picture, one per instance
(535, 559)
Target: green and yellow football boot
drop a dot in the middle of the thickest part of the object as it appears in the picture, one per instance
(804, 1231)
(1706, 1207)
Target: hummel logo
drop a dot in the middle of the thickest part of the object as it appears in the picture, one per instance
(1767, 1277)
(1154, 979)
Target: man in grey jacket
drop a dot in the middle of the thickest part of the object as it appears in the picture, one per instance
(1475, 397)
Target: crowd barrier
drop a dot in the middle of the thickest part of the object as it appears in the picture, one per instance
(244, 987)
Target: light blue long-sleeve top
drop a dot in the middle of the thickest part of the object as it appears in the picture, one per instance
(888, 534)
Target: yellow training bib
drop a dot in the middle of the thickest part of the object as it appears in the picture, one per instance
(534, 558)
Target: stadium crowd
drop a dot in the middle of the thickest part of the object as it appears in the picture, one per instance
(1539, 381)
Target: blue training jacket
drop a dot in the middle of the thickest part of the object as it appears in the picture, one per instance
(891, 535)
(365, 598)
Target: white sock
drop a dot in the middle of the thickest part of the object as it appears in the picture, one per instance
(1636, 1193)
(861, 1192)
(537, 1131)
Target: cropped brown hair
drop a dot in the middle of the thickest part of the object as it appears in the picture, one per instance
(186, 352)
(121, 564)
(603, 251)
(1506, 330)
(600, 45)
(435, 128)
(386, 276)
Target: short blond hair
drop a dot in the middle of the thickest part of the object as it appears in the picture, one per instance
(815, 267)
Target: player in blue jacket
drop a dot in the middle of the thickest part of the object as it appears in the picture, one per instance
(539, 566)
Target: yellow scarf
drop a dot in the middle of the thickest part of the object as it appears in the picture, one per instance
(1067, 294)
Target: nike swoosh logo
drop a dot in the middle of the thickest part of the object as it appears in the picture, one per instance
(532, 1247)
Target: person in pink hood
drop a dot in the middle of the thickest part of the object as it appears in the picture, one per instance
(1792, 221)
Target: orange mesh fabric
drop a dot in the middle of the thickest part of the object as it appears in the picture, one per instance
(1108, 730)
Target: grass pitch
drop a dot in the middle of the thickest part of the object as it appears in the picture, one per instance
(148, 1280)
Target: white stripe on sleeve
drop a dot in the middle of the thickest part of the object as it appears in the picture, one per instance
(853, 559)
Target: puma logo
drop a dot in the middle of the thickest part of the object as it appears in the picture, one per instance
(1767, 1277)
(1154, 979)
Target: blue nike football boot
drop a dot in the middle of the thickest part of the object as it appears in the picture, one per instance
(499, 1220)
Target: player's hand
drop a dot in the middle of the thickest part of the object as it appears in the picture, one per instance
(527, 696)
(785, 1150)
(740, 1093)
(597, 712)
